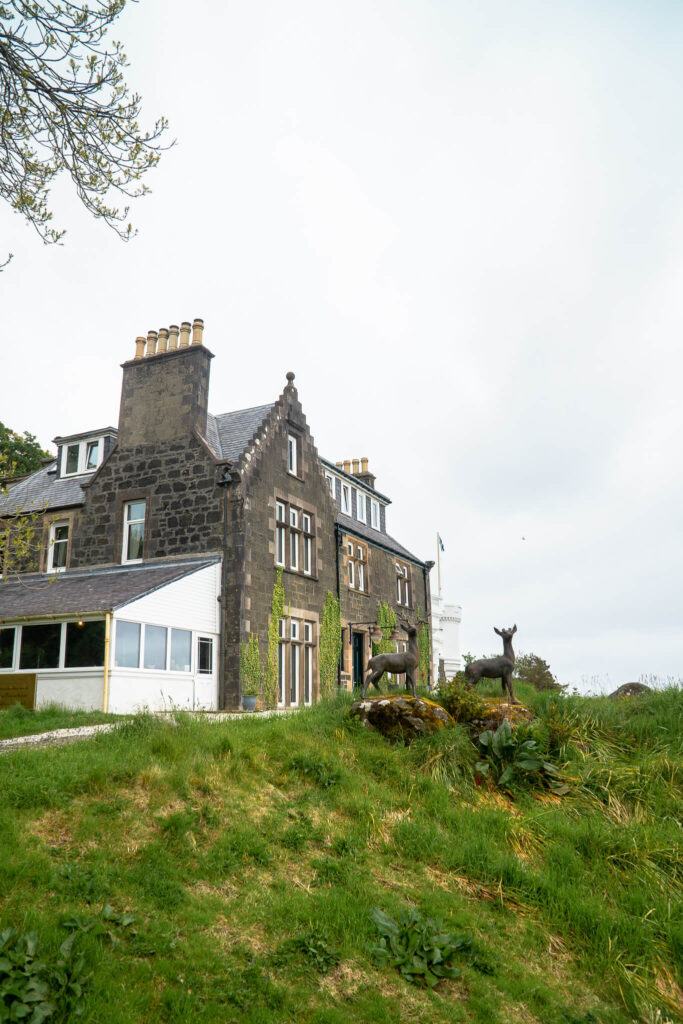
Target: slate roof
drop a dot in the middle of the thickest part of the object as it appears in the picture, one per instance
(84, 591)
(42, 490)
(380, 540)
(230, 433)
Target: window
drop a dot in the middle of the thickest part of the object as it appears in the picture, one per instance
(7, 647)
(133, 530)
(155, 647)
(292, 454)
(374, 514)
(127, 645)
(280, 534)
(308, 662)
(307, 543)
(40, 646)
(330, 483)
(294, 533)
(84, 646)
(204, 655)
(181, 650)
(360, 507)
(294, 655)
(295, 662)
(346, 499)
(402, 584)
(357, 562)
(82, 456)
(59, 546)
(92, 451)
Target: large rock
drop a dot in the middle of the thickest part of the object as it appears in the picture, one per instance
(496, 710)
(401, 716)
(631, 690)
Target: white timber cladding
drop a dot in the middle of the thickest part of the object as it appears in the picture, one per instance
(188, 603)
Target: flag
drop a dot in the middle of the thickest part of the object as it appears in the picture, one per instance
(440, 542)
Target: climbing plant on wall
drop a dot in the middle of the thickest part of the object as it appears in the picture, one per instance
(330, 645)
(424, 648)
(277, 607)
(251, 671)
(386, 620)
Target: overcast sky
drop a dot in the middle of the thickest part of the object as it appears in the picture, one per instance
(460, 225)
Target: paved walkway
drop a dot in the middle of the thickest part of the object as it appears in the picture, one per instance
(59, 737)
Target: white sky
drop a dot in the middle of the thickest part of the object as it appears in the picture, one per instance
(460, 225)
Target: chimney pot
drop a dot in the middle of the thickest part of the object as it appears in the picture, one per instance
(151, 343)
(173, 337)
(355, 466)
(197, 331)
(347, 465)
(339, 464)
(363, 465)
(185, 329)
(140, 347)
(163, 340)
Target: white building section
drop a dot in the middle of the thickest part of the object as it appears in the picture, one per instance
(446, 619)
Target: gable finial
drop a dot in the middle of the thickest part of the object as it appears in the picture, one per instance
(290, 378)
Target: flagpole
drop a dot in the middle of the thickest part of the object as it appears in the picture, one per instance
(438, 561)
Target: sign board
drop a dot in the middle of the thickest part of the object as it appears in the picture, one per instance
(18, 688)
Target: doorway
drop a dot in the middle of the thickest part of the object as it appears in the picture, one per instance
(358, 659)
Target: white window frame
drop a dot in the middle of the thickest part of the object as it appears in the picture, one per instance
(294, 663)
(292, 455)
(331, 483)
(83, 447)
(127, 523)
(294, 550)
(205, 640)
(54, 526)
(361, 507)
(307, 552)
(346, 499)
(281, 663)
(361, 581)
(375, 519)
(352, 571)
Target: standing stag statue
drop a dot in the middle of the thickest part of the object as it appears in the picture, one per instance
(496, 668)
(406, 661)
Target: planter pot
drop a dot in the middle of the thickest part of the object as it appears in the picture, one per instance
(249, 702)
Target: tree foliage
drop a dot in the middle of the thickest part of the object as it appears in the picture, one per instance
(532, 669)
(19, 454)
(65, 107)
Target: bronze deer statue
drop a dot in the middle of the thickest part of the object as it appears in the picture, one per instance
(496, 668)
(406, 661)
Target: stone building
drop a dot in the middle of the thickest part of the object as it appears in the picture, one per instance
(161, 540)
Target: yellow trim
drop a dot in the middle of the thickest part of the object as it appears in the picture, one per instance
(105, 687)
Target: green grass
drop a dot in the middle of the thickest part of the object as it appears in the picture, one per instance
(252, 854)
(19, 721)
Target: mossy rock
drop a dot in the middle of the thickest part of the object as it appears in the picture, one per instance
(400, 716)
(495, 711)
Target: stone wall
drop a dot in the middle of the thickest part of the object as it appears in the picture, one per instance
(263, 479)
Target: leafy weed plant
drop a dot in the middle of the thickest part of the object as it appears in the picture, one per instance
(417, 946)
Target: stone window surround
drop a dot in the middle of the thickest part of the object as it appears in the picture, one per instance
(49, 521)
(304, 618)
(293, 502)
(352, 562)
(124, 498)
(403, 576)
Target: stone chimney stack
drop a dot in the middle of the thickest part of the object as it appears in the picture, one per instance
(165, 391)
(364, 474)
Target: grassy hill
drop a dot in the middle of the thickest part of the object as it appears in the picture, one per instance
(228, 871)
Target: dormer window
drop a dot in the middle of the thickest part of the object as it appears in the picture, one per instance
(360, 507)
(81, 456)
(374, 514)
